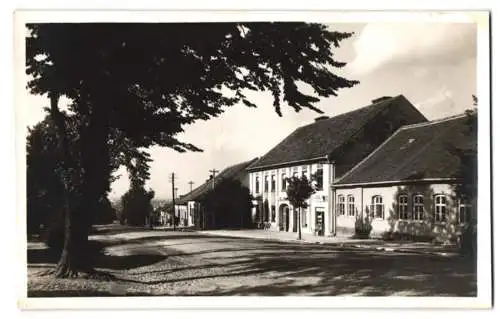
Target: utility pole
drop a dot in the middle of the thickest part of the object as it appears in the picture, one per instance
(191, 186)
(175, 210)
(172, 180)
(213, 172)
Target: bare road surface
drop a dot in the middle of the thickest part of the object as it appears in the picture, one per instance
(152, 262)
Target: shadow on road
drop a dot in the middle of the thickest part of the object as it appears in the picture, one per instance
(285, 269)
(336, 273)
(101, 260)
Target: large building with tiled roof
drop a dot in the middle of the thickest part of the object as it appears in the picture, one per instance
(408, 184)
(328, 148)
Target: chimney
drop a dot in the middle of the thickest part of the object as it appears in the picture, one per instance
(319, 118)
(380, 99)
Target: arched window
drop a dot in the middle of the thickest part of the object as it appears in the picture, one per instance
(418, 207)
(350, 206)
(377, 207)
(440, 208)
(403, 206)
(341, 205)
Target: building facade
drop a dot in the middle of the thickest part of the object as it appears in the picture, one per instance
(328, 148)
(409, 184)
(271, 204)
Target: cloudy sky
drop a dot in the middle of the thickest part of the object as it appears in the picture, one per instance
(432, 64)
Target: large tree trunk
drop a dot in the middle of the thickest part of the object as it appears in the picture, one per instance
(298, 223)
(80, 204)
(72, 261)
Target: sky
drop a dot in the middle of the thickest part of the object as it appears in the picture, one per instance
(432, 64)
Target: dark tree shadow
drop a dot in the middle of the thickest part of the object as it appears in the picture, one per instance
(101, 260)
(342, 272)
(267, 268)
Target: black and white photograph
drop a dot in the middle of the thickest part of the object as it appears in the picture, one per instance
(221, 155)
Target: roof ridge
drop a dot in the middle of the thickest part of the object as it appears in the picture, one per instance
(368, 156)
(422, 124)
(228, 172)
(387, 102)
(436, 121)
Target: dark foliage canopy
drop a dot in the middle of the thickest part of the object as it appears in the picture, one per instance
(154, 78)
(136, 205)
(299, 190)
(468, 157)
(231, 201)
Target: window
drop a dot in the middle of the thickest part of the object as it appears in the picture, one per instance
(304, 170)
(464, 210)
(273, 213)
(418, 207)
(319, 177)
(377, 207)
(266, 183)
(341, 205)
(440, 208)
(283, 182)
(303, 217)
(273, 183)
(257, 184)
(403, 207)
(350, 206)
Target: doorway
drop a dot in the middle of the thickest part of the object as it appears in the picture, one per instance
(295, 220)
(320, 221)
(284, 218)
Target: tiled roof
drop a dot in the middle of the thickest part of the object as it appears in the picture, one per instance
(415, 152)
(326, 136)
(235, 172)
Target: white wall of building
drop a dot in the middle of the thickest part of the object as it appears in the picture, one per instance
(181, 211)
(319, 201)
(391, 221)
(191, 206)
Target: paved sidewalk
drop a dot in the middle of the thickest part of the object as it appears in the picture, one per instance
(339, 241)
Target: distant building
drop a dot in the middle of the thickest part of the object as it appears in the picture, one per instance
(328, 148)
(199, 216)
(407, 185)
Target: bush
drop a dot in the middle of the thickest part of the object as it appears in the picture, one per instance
(362, 227)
